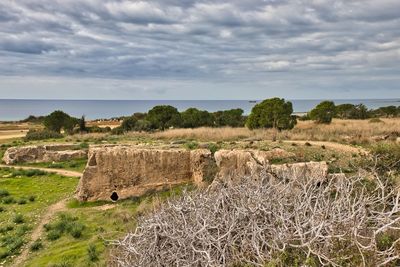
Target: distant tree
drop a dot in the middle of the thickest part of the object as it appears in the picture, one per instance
(58, 120)
(323, 112)
(143, 125)
(232, 118)
(128, 124)
(360, 112)
(139, 115)
(164, 116)
(344, 111)
(192, 118)
(272, 113)
(82, 124)
(389, 111)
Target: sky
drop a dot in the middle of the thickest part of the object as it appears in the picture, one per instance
(186, 49)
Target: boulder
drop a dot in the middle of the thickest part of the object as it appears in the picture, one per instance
(42, 153)
(317, 171)
(126, 171)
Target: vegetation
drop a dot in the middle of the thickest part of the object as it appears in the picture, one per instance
(272, 113)
(323, 112)
(37, 191)
(58, 120)
(42, 135)
(162, 117)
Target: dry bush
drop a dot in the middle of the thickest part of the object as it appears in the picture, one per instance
(340, 222)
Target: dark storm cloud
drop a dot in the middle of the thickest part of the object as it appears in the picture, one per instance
(222, 42)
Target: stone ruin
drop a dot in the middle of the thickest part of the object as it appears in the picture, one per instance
(119, 172)
(43, 153)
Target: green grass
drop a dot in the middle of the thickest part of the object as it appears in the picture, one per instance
(72, 165)
(92, 248)
(27, 198)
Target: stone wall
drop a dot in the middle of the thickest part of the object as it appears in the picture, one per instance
(118, 172)
(43, 153)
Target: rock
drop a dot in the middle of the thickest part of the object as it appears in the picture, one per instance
(304, 170)
(42, 153)
(125, 171)
(203, 167)
(234, 165)
(398, 140)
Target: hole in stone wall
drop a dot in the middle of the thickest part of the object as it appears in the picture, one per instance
(114, 196)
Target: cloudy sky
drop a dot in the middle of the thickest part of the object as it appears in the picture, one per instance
(186, 49)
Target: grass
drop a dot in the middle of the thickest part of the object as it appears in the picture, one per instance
(72, 165)
(24, 198)
(92, 248)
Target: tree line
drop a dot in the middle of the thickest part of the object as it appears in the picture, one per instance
(271, 113)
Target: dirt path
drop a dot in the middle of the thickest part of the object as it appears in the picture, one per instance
(332, 145)
(58, 171)
(38, 230)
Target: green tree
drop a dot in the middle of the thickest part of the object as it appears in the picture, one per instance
(344, 111)
(192, 118)
(272, 113)
(82, 124)
(164, 116)
(232, 117)
(58, 120)
(360, 112)
(323, 112)
(128, 124)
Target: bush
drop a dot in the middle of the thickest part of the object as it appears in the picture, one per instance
(53, 235)
(64, 224)
(42, 135)
(2, 209)
(272, 113)
(28, 173)
(128, 124)
(8, 200)
(323, 112)
(143, 125)
(191, 145)
(376, 120)
(18, 219)
(37, 245)
(117, 130)
(32, 198)
(21, 201)
(92, 253)
(4, 193)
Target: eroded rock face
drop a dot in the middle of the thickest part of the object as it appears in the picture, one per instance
(44, 153)
(118, 172)
(130, 171)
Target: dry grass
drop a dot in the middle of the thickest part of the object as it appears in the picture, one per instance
(346, 131)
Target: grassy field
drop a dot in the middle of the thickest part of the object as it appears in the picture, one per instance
(72, 165)
(101, 222)
(25, 196)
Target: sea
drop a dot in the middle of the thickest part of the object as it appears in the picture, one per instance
(18, 109)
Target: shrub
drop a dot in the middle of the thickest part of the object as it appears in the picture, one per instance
(4, 193)
(18, 219)
(37, 245)
(92, 253)
(32, 198)
(191, 145)
(376, 120)
(323, 112)
(2, 209)
(128, 124)
(8, 200)
(251, 233)
(143, 125)
(117, 130)
(272, 113)
(21, 201)
(53, 235)
(76, 229)
(42, 135)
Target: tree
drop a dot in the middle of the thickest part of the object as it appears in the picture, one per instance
(164, 116)
(232, 117)
(58, 120)
(128, 124)
(192, 118)
(344, 111)
(360, 112)
(323, 112)
(272, 113)
(82, 124)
